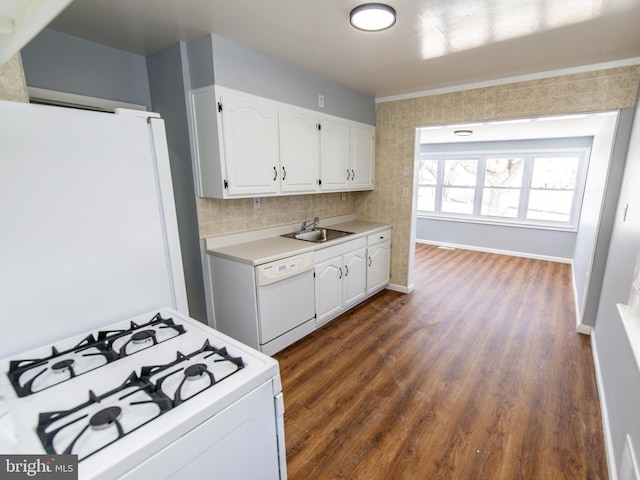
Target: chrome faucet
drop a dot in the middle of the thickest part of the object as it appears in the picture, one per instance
(309, 224)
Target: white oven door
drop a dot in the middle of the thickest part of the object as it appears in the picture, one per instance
(240, 442)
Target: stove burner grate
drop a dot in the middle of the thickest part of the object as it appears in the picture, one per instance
(78, 423)
(172, 378)
(33, 370)
(27, 376)
(128, 341)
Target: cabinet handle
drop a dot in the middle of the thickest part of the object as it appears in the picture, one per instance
(369, 261)
(340, 274)
(346, 270)
(275, 173)
(284, 174)
(347, 174)
(353, 175)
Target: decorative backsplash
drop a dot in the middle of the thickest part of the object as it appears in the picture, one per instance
(12, 83)
(221, 217)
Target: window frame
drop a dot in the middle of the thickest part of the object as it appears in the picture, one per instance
(529, 154)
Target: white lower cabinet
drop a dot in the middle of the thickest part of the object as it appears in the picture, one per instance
(340, 278)
(378, 260)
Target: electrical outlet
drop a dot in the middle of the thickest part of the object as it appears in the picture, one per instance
(344, 196)
(405, 192)
(406, 170)
(256, 202)
(321, 101)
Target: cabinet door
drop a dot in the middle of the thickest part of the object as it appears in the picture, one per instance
(362, 157)
(378, 266)
(354, 279)
(329, 276)
(250, 145)
(299, 151)
(335, 155)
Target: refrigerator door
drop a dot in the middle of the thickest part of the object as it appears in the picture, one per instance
(89, 234)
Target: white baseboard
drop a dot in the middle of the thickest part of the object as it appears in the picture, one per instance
(498, 251)
(400, 288)
(608, 441)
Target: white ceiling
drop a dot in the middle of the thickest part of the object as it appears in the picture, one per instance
(552, 126)
(434, 44)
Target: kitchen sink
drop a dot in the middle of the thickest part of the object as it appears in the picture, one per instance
(318, 235)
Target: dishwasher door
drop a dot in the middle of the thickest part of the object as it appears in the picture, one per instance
(286, 301)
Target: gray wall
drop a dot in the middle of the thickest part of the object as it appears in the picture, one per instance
(240, 68)
(516, 240)
(168, 81)
(598, 211)
(618, 369)
(61, 62)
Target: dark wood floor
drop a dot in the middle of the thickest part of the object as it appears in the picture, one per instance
(477, 374)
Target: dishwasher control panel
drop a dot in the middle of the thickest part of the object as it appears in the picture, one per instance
(284, 268)
(289, 265)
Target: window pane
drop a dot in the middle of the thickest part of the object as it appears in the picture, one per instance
(428, 173)
(553, 205)
(500, 202)
(555, 172)
(503, 172)
(462, 173)
(458, 200)
(426, 199)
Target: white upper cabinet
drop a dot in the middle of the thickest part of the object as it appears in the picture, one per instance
(347, 156)
(299, 151)
(335, 155)
(236, 144)
(362, 157)
(249, 146)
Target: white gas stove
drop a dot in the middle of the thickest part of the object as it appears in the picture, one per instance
(156, 396)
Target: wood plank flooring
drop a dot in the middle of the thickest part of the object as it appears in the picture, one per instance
(477, 374)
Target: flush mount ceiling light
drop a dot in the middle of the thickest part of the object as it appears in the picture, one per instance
(463, 133)
(373, 17)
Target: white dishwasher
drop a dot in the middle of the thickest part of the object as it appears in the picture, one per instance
(286, 301)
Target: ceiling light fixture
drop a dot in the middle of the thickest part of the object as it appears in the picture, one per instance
(373, 17)
(463, 133)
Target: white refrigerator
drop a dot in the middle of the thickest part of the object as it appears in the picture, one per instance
(98, 356)
(87, 221)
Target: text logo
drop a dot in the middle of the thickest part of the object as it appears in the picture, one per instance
(45, 467)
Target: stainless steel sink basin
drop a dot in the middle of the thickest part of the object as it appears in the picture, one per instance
(318, 235)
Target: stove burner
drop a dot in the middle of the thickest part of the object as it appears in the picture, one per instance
(176, 380)
(29, 376)
(67, 432)
(62, 366)
(105, 418)
(195, 372)
(131, 340)
(143, 336)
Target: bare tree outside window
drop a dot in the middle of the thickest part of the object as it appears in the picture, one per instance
(538, 188)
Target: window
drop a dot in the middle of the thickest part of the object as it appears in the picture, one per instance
(531, 188)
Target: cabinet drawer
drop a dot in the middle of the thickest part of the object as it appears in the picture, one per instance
(374, 238)
(337, 250)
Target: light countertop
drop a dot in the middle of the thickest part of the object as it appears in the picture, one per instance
(270, 248)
